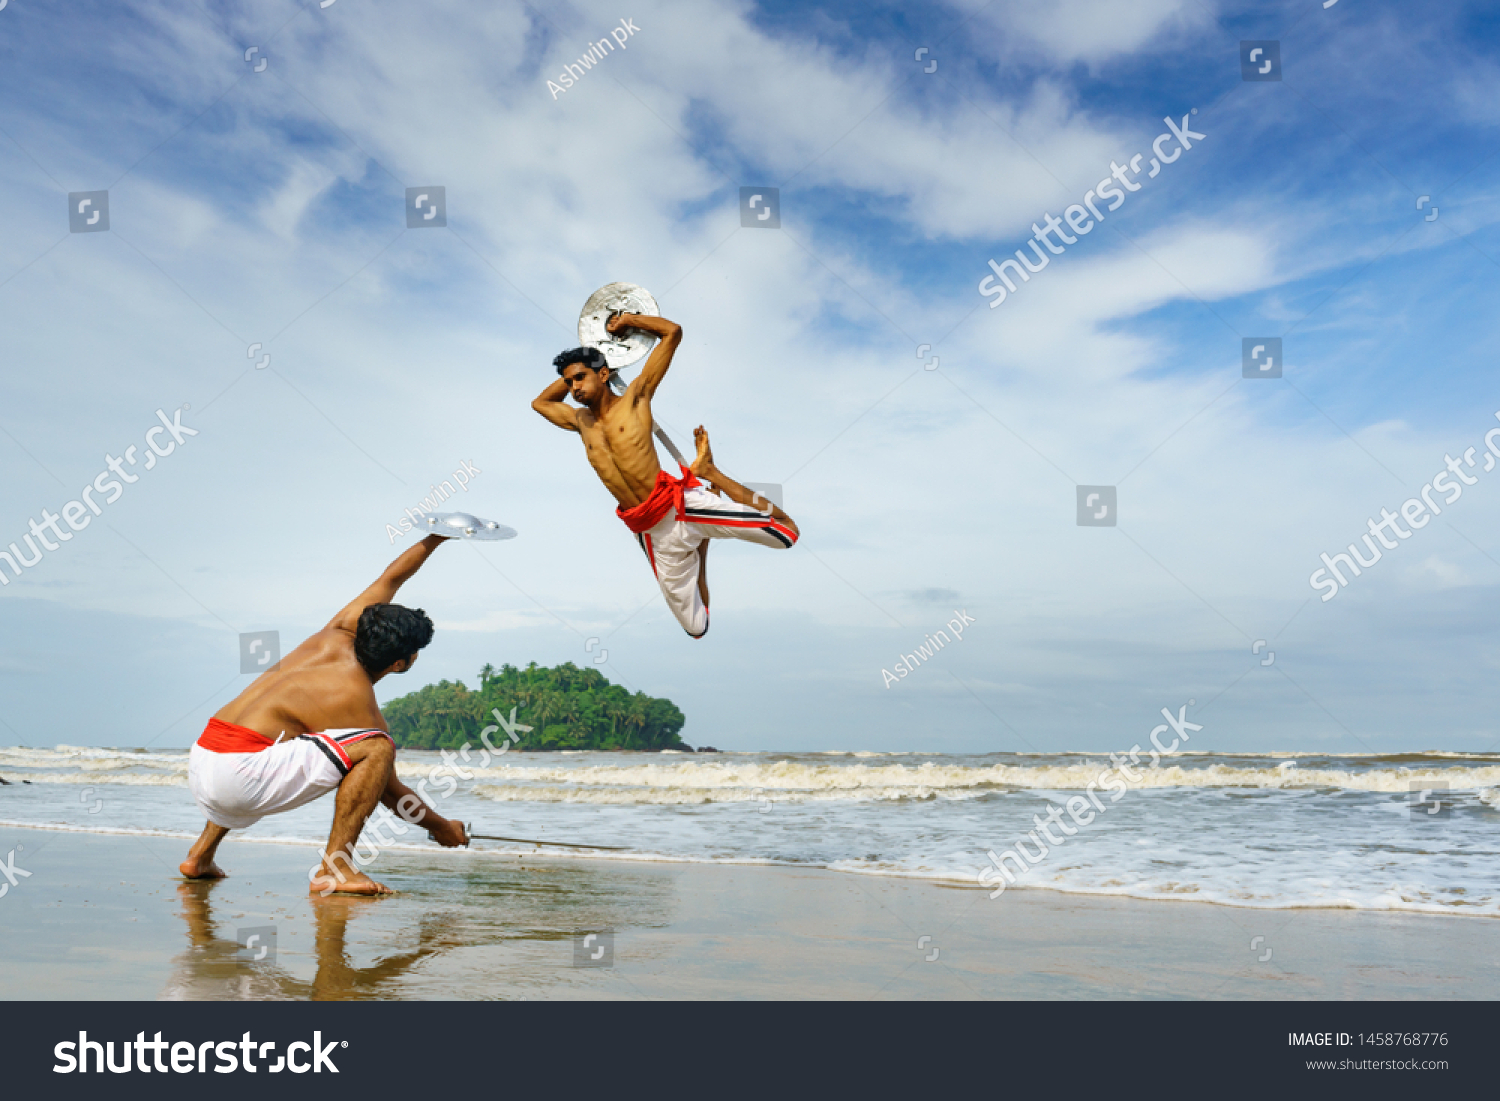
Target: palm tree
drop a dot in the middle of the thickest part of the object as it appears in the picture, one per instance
(609, 708)
(635, 715)
(546, 709)
(572, 711)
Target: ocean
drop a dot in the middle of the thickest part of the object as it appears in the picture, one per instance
(1415, 832)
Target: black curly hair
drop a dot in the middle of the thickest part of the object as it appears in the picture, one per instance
(592, 358)
(387, 633)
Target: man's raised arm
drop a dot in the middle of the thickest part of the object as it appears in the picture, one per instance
(670, 334)
(549, 403)
(384, 589)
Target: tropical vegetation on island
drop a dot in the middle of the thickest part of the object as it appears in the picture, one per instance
(566, 707)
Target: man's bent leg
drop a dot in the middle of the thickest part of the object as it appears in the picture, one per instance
(703, 571)
(374, 761)
(703, 467)
(200, 859)
(677, 560)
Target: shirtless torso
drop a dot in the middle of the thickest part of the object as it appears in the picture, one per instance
(616, 429)
(618, 444)
(318, 686)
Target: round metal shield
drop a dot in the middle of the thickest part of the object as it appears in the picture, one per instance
(624, 348)
(461, 525)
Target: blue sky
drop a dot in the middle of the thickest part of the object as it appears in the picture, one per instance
(267, 207)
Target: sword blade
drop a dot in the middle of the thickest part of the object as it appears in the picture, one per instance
(555, 844)
(671, 447)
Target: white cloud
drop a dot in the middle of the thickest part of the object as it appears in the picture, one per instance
(1446, 575)
(1097, 30)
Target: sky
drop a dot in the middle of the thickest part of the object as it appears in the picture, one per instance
(930, 437)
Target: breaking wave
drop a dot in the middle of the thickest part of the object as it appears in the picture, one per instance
(692, 782)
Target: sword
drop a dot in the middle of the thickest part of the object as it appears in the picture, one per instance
(528, 841)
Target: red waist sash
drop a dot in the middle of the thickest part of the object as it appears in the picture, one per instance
(221, 737)
(666, 496)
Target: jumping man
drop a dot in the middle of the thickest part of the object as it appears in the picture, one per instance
(672, 518)
(310, 725)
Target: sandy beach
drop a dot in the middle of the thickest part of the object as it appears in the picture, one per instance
(106, 917)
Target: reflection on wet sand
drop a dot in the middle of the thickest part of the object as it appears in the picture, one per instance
(211, 968)
(498, 928)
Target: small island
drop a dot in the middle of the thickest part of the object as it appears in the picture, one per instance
(566, 707)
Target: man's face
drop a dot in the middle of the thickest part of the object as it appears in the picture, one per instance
(585, 385)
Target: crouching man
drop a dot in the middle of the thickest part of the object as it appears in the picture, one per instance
(310, 726)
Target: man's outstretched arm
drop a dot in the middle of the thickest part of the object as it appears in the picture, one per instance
(384, 589)
(409, 805)
(549, 403)
(670, 334)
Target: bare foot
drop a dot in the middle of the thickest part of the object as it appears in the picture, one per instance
(197, 867)
(703, 464)
(355, 883)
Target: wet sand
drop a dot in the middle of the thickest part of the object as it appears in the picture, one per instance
(108, 917)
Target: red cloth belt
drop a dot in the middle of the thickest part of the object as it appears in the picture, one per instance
(221, 737)
(666, 496)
